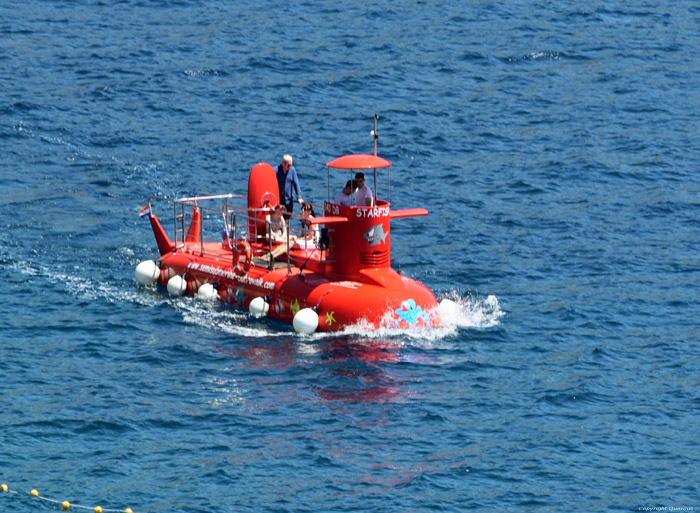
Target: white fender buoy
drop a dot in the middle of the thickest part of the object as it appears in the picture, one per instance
(177, 285)
(305, 321)
(448, 311)
(258, 307)
(207, 292)
(147, 272)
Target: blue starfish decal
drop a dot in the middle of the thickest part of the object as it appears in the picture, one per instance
(410, 313)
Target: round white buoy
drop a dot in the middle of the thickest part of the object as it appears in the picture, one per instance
(207, 292)
(258, 307)
(305, 321)
(448, 311)
(177, 285)
(147, 272)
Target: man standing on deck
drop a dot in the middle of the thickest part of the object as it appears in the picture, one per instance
(286, 179)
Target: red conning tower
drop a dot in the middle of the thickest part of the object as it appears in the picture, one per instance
(360, 238)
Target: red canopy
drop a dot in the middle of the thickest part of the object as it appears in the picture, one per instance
(358, 162)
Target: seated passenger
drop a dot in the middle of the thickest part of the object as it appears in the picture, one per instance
(344, 197)
(363, 194)
(276, 226)
(309, 234)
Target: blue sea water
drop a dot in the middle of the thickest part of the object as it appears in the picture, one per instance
(556, 146)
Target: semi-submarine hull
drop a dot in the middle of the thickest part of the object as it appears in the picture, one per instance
(341, 277)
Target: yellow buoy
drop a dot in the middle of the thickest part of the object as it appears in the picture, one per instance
(128, 510)
(3, 487)
(98, 509)
(34, 493)
(66, 505)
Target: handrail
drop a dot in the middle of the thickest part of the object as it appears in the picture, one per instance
(195, 199)
(236, 219)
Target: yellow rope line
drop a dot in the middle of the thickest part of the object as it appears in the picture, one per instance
(64, 504)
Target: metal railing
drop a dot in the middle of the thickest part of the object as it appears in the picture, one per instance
(237, 222)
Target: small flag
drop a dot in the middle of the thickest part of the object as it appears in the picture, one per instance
(145, 211)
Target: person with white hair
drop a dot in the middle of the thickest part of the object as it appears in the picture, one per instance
(287, 180)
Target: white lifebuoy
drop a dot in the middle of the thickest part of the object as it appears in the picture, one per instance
(242, 250)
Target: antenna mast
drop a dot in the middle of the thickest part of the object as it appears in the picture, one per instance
(375, 136)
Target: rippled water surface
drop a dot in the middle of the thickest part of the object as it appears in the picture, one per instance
(556, 147)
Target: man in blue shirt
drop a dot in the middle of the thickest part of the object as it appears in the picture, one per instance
(286, 179)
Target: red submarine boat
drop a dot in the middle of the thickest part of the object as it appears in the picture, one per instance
(342, 279)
